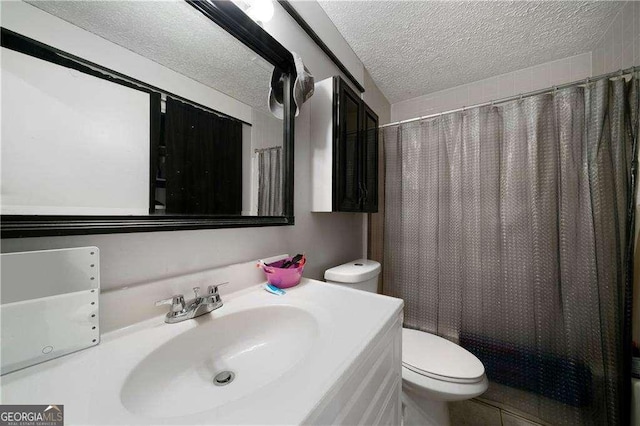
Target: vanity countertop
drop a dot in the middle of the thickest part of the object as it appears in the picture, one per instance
(287, 353)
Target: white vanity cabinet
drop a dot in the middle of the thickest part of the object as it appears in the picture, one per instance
(320, 354)
(369, 391)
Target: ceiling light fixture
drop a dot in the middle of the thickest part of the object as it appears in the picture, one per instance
(261, 11)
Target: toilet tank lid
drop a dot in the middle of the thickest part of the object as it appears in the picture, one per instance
(353, 272)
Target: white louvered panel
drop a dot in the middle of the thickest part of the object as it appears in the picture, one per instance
(370, 391)
(391, 412)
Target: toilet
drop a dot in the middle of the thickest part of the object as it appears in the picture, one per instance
(435, 371)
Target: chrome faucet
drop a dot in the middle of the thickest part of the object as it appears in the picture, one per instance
(199, 305)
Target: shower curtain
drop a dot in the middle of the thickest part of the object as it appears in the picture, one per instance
(270, 181)
(508, 230)
(203, 162)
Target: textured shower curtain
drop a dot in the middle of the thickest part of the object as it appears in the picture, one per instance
(270, 181)
(507, 230)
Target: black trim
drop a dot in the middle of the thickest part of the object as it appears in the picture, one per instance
(343, 199)
(369, 201)
(23, 44)
(336, 142)
(155, 115)
(232, 19)
(349, 199)
(28, 46)
(288, 153)
(17, 226)
(316, 38)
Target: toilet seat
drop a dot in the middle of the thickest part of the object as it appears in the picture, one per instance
(439, 390)
(437, 358)
(438, 369)
(438, 377)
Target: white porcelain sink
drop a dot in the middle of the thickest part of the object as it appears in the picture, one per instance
(288, 352)
(258, 345)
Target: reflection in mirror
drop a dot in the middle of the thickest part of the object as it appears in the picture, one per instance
(81, 139)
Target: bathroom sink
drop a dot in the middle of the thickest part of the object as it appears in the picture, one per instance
(288, 353)
(254, 346)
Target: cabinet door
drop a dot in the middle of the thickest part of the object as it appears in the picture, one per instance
(370, 160)
(347, 189)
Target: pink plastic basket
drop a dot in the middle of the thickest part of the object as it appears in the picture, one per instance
(281, 277)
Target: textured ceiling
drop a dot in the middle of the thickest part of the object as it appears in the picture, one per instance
(419, 47)
(174, 34)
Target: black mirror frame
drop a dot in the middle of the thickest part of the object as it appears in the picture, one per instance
(228, 16)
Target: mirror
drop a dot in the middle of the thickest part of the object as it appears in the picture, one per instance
(165, 121)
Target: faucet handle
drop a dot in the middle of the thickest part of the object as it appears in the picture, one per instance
(176, 302)
(196, 291)
(213, 289)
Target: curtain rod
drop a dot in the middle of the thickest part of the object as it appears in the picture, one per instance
(619, 73)
(266, 149)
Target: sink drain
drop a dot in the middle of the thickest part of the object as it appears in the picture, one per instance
(224, 378)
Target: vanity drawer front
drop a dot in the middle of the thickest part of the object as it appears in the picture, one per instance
(385, 408)
(392, 411)
(382, 406)
(371, 389)
(365, 402)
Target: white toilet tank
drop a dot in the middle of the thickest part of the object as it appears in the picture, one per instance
(361, 274)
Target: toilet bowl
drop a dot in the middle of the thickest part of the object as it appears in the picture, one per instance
(435, 371)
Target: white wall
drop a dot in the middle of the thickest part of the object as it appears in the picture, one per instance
(266, 130)
(501, 86)
(88, 151)
(376, 99)
(620, 45)
(129, 259)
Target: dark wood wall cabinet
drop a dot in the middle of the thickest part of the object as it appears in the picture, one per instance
(344, 159)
